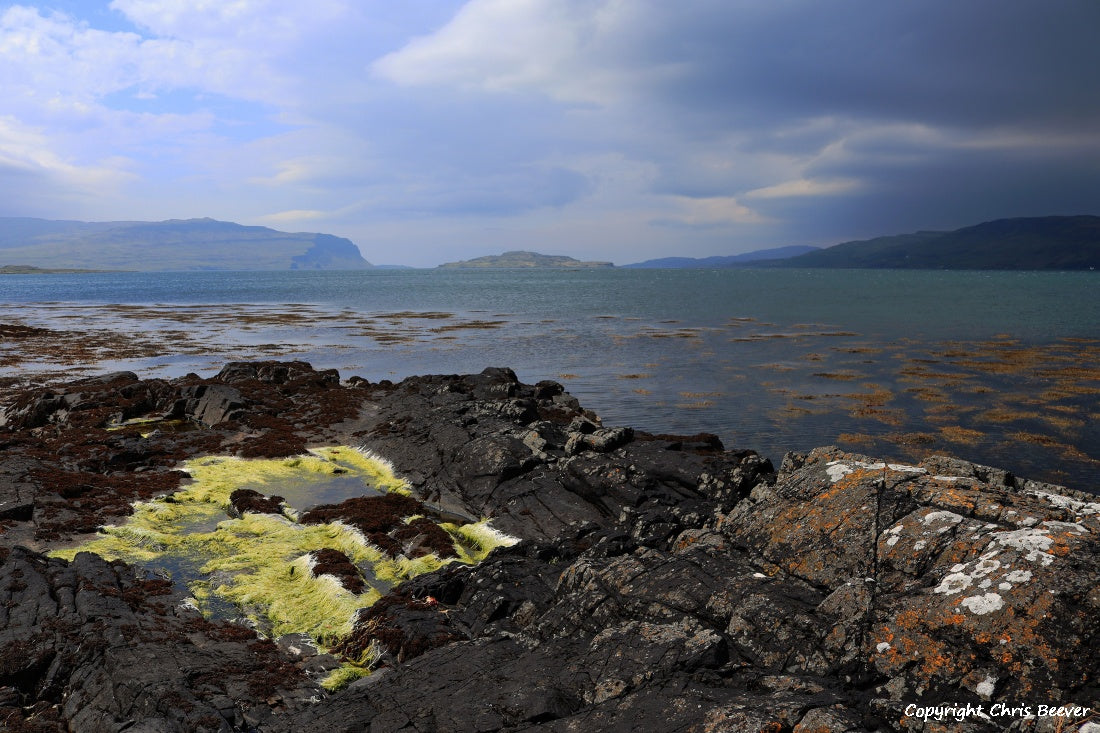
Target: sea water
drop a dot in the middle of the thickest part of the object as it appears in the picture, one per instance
(996, 367)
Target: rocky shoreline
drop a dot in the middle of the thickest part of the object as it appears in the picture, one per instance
(661, 582)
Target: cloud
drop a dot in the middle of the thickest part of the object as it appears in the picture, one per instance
(284, 218)
(803, 187)
(700, 127)
(40, 182)
(709, 212)
(571, 50)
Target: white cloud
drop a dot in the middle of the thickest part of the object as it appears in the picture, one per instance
(274, 21)
(45, 182)
(570, 50)
(284, 218)
(711, 211)
(804, 187)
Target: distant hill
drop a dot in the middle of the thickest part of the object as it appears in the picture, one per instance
(31, 270)
(1036, 243)
(176, 244)
(520, 259)
(724, 261)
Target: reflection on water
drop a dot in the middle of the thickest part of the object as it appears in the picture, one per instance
(998, 368)
(303, 493)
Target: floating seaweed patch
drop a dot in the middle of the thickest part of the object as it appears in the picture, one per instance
(273, 570)
(959, 434)
(843, 376)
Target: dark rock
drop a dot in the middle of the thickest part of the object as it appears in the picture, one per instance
(662, 581)
(100, 647)
(275, 373)
(383, 520)
(335, 563)
(249, 500)
(209, 404)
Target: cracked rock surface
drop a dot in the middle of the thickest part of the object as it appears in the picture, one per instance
(663, 583)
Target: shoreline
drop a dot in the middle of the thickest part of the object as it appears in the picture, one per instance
(1025, 405)
(833, 590)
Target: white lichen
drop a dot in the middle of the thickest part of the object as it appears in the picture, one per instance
(893, 535)
(985, 567)
(983, 604)
(1032, 543)
(1079, 508)
(986, 687)
(941, 516)
(1074, 527)
(954, 583)
(837, 470)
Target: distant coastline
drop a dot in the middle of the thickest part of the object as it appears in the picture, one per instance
(32, 270)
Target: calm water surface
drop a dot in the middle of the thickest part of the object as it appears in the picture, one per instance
(997, 367)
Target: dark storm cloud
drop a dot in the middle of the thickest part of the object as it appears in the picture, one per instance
(946, 63)
(944, 113)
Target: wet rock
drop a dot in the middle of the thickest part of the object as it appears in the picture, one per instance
(601, 440)
(393, 522)
(249, 500)
(98, 646)
(76, 455)
(660, 577)
(335, 563)
(209, 404)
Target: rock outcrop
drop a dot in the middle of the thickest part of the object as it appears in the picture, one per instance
(662, 582)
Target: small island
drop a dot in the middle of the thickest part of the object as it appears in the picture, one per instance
(522, 259)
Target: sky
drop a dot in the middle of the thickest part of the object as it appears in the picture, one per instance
(428, 131)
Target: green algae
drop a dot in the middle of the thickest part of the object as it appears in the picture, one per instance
(343, 676)
(259, 566)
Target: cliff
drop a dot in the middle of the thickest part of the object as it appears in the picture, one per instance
(177, 244)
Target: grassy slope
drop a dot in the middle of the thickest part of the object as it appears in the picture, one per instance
(1039, 243)
(200, 244)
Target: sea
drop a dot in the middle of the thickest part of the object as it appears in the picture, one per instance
(1000, 368)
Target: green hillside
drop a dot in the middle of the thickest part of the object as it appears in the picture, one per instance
(520, 259)
(1036, 243)
(177, 244)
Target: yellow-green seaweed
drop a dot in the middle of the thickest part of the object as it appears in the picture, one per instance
(261, 563)
(344, 675)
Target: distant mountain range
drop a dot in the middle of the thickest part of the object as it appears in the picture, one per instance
(519, 259)
(176, 244)
(724, 261)
(1034, 243)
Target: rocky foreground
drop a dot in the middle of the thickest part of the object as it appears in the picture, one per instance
(663, 583)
